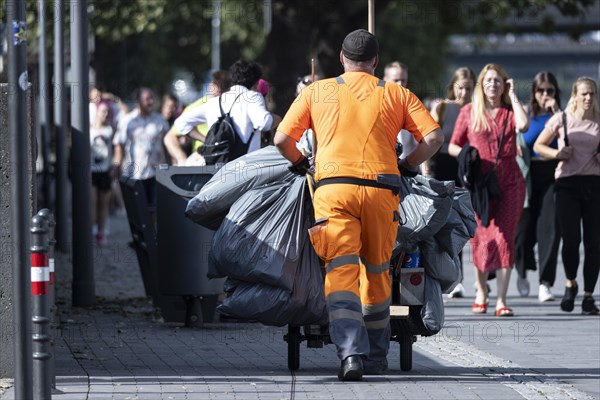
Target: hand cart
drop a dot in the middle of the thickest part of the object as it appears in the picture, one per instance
(408, 295)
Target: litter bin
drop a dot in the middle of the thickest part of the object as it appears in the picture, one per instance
(141, 222)
(183, 246)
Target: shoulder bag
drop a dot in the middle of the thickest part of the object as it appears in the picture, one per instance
(490, 179)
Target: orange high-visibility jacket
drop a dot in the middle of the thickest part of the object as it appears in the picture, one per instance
(361, 151)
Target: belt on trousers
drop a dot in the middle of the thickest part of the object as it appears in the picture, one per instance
(383, 181)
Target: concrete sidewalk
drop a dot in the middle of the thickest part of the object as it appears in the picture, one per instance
(121, 349)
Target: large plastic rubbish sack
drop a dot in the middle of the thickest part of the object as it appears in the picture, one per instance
(210, 206)
(424, 208)
(276, 306)
(460, 225)
(440, 265)
(432, 312)
(264, 248)
(262, 237)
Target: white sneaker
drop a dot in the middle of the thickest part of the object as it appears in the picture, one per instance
(523, 286)
(458, 292)
(545, 294)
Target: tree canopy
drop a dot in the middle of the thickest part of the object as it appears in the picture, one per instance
(145, 42)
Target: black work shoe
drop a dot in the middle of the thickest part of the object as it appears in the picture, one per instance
(375, 367)
(568, 301)
(351, 369)
(588, 307)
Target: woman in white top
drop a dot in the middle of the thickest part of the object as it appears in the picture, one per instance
(101, 135)
(577, 187)
(443, 166)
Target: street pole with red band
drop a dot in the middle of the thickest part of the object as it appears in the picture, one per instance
(40, 280)
(40, 274)
(51, 241)
(51, 312)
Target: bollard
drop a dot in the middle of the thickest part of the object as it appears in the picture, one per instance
(51, 309)
(40, 277)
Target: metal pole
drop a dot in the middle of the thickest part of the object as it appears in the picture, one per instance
(267, 16)
(61, 206)
(40, 278)
(83, 267)
(372, 16)
(216, 36)
(44, 94)
(51, 310)
(17, 123)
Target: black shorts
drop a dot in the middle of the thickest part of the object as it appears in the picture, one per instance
(102, 181)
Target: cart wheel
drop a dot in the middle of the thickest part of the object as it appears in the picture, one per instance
(406, 342)
(293, 338)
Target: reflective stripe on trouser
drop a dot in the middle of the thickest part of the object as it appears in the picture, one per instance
(356, 241)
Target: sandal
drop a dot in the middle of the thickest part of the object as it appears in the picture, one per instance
(504, 312)
(479, 308)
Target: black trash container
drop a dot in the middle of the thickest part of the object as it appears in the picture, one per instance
(141, 222)
(183, 246)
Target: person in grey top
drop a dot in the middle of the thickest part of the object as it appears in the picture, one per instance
(138, 143)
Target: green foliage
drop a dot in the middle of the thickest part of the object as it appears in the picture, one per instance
(172, 36)
(144, 42)
(115, 20)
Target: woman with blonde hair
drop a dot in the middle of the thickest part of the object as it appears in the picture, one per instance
(577, 187)
(489, 124)
(442, 166)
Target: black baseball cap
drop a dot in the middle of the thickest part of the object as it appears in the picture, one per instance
(360, 45)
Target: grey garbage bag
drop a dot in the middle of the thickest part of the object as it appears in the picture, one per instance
(424, 208)
(460, 225)
(274, 275)
(210, 206)
(439, 264)
(262, 237)
(276, 306)
(432, 312)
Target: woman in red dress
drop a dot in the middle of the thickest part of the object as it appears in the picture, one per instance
(495, 108)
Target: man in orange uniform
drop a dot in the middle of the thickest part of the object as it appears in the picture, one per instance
(356, 118)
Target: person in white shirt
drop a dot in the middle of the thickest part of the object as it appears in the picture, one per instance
(397, 72)
(138, 143)
(248, 111)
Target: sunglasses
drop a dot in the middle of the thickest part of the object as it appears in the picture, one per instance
(548, 91)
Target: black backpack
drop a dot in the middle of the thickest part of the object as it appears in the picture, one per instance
(222, 143)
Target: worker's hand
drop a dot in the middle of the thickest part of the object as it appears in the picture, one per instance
(300, 167)
(565, 153)
(399, 149)
(406, 169)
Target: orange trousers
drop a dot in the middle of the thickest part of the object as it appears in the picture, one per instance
(354, 234)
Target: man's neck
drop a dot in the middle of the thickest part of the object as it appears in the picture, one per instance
(352, 68)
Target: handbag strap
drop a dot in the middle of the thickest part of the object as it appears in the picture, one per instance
(500, 141)
(564, 120)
